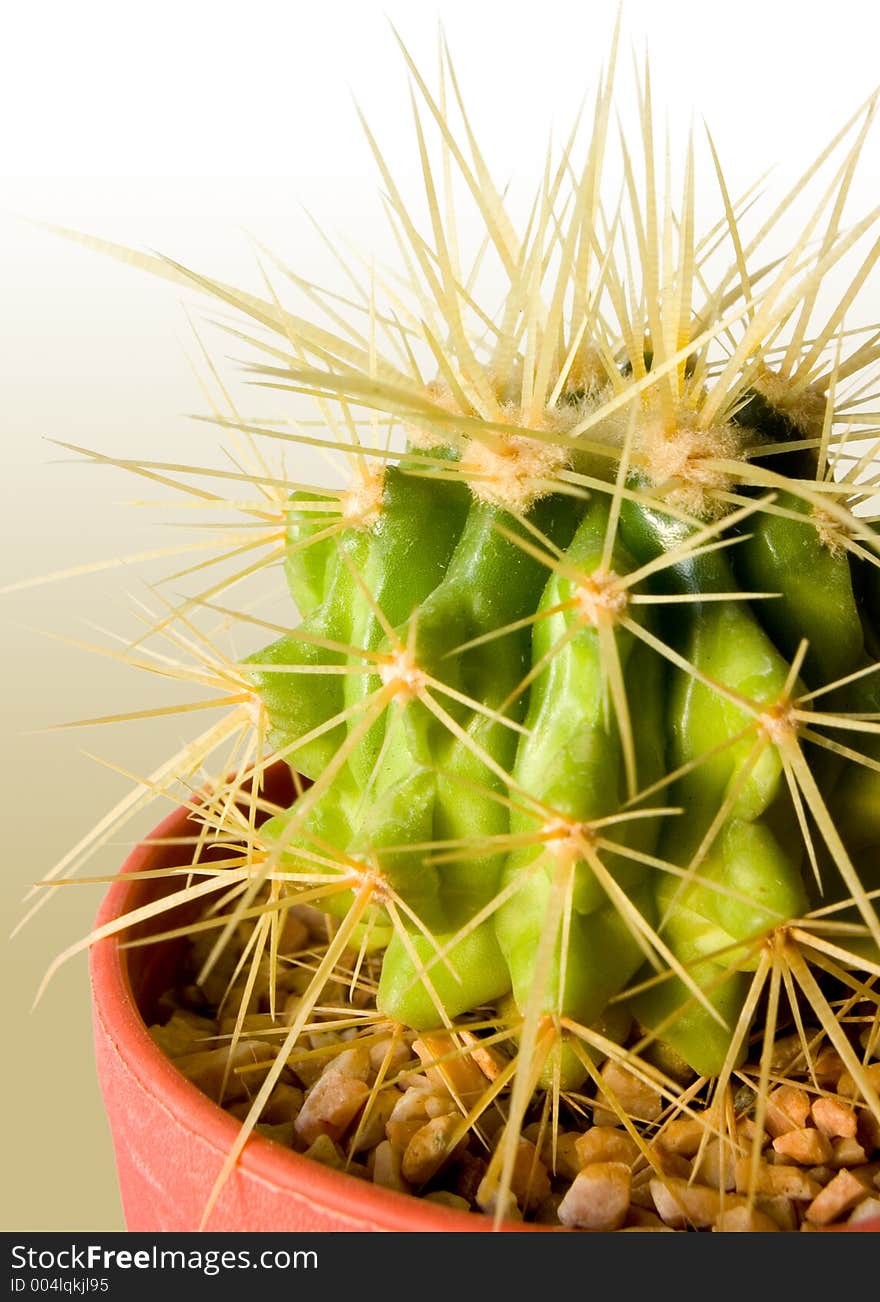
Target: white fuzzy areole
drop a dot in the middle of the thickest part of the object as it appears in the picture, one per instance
(804, 407)
(403, 673)
(681, 457)
(362, 505)
(513, 471)
(778, 724)
(600, 599)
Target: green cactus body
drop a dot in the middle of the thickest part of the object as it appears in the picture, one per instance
(816, 599)
(511, 639)
(584, 675)
(855, 799)
(490, 584)
(722, 643)
(339, 612)
(854, 804)
(309, 561)
(424, 783)
(571, 762)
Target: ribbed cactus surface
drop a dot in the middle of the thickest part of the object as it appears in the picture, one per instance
(578, 749)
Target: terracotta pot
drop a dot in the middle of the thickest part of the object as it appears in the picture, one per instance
(171, 1140)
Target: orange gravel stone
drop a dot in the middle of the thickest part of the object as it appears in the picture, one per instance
(788, 1108)
(636, 1097)
(848, 1087)
(330, 1106)
(428, 1149)
(745, 1220)
(568, 1161)
(807, 1146)
(605, 1144)
(847, 1151)
(788, 1181)
(447, 1066)
(681, 1204)
(834, 1117)
(530, 1181)
(840, 1195)
(682, 1135)
(598, 1198)
(716, 1165)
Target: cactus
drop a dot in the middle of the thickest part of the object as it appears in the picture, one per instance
(579, 690)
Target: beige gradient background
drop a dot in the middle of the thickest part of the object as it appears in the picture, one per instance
(176, 130)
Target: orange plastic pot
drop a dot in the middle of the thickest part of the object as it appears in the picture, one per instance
(171, 1141)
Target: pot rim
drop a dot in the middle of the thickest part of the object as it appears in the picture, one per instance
(371, 1206)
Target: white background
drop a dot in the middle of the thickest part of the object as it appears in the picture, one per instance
(177, 127)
